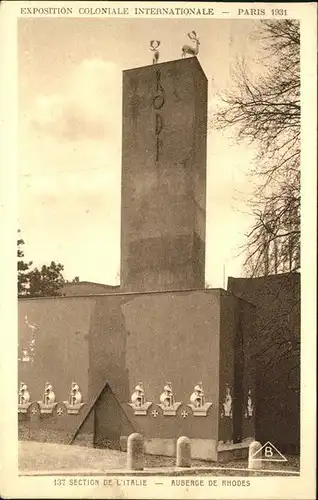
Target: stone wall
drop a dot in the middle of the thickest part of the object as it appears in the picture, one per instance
(60, 353)
(182, 337)
(155, 338)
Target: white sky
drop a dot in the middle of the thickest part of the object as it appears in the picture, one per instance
(70, 73)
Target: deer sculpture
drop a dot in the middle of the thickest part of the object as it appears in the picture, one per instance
(188, 49)
(154, 44)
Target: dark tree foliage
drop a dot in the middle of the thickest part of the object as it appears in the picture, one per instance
(45, 281)
(23, 268)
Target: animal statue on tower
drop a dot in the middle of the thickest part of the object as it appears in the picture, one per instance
(189, 49)
(154, 44)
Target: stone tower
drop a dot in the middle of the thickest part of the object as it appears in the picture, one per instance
(163, 198)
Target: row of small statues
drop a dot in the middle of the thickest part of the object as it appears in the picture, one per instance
(75, 396)
(186, 49)
(167, 397)
(197, 399)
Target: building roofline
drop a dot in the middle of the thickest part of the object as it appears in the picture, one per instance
(150, 292)
(132, 294)
(269, 276)
(90, 283)
(168, 62)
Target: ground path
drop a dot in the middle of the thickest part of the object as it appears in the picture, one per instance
(51, 458)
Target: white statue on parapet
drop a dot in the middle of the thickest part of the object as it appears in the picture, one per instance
(198, 404)
(24, 400)
(48, 400)
(197, 397)
(49, 395)
(75, 400)
(249, 411)
(138, 396)
(24, 395)
(227, 403)
(75, 395)
(138, 400)
(154, 44)
(167, 397)
(189, 49)
(167, 401)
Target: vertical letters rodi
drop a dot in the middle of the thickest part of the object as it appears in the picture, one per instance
(158, 103)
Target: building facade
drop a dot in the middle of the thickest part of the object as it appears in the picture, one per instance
(160, 355)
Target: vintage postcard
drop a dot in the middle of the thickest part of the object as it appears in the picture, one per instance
(158, 205)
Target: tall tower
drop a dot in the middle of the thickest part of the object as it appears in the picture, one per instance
(163, 198)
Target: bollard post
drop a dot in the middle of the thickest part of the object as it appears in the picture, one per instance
(183, 452)
(135, 452)
(253, 463)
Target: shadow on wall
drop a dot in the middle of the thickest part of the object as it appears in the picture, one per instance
(276, 351)
(101, 424)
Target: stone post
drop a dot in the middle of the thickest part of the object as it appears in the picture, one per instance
(253, 463)
(183, 452)
(135, 452)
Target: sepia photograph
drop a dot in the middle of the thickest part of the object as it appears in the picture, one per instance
(158, 247)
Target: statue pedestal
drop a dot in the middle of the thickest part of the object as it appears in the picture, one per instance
(169, 410)
(23, 408)
(73, 409)
(141, 410)
(200, 411)
(46, 409)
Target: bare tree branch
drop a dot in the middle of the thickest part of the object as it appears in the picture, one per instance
(266, 112)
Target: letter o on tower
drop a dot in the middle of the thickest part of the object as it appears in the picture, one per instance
(158, 101)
